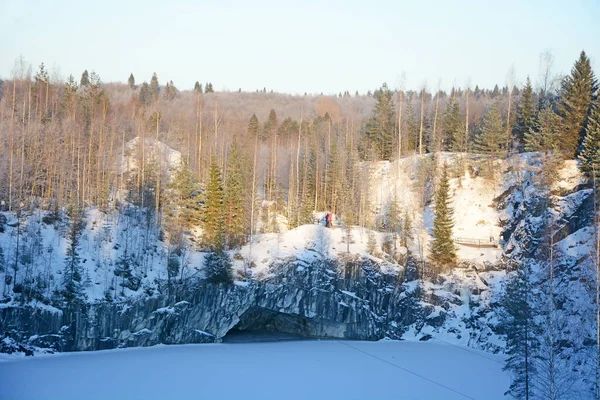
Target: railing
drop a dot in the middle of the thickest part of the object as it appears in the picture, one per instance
(489, 242)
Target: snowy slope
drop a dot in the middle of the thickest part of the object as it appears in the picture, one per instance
(282, 370)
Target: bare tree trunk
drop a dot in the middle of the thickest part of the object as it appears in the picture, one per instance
(510, 86)
(436, 145)
(12, 141)
(400, 107)
(422, 117)
(597, 232)
(158, 169)
(199, 133)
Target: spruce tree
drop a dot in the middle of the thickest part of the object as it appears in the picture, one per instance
(208, 88)
(217, 267)
(493, 139)
(85, 78)
(589, 157)
(380, 128)
(526, 115)
(235, 216)
(253, 126)
(154, 86)
(443, 252)
(495, 93)
(131, 81)
(545, 134)
(214, 210)
(452, 126)
(198, 87)
(73, 273)
(270, 128)
(578, 91)
(145, 96)
(185, 207)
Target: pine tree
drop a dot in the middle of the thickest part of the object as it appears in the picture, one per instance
(85, 79)
(253, 126)
(208, 88)
(198, 87)
(235, 216)
(526, 115)
(379, 129)
(214, 210)
(577, 93)
(131, 81)
(443, 252)
(154, 88)
(545, 135)
(589, 157)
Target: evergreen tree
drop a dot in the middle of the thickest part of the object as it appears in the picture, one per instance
(85, 79)
(521, 333)
(69, 100)
(525, 115)
(577, 93)
(198, 87)
(443, 252)
(410, 129)
(270, 128)
(170, 91)
(73, 273)
(589, 157)
(208, 88)
(214, 209)
(131, 81)
(253, 126)
(495, 93)
(145, 96)
(217, 267)
(154, 89)
(184, 185)
(493, 139)
(545, 135)
(379, 128)
(452, 126)
(235, 216)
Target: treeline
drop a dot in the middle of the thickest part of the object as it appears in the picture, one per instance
(278, 155)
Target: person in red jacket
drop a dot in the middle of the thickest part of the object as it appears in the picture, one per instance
(328, 219)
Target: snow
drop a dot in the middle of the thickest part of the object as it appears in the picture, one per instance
(274, 370)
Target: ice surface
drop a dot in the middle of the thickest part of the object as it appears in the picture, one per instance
(277, 370)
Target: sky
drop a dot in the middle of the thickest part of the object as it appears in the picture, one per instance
(301, 46)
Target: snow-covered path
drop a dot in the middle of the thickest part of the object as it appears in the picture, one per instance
(278, 370)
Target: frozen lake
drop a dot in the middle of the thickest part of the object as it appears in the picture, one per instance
(306, 369)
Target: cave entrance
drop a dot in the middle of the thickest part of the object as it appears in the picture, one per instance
(259, 324)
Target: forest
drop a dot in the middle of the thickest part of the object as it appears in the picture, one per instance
(253, 156)
(209, 171)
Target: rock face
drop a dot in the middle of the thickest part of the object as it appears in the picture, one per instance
(335, 299)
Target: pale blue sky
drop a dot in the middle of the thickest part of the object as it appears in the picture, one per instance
(312, 46)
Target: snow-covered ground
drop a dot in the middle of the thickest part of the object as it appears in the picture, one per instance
(276, 370)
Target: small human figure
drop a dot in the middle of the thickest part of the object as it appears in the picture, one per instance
(328, 219)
